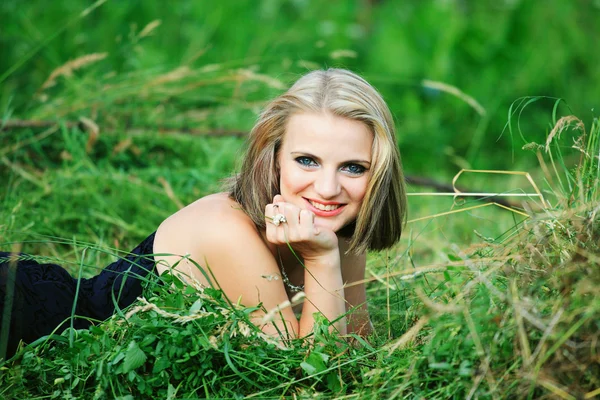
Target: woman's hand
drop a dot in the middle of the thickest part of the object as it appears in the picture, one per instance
(319, 248)
(299, 230)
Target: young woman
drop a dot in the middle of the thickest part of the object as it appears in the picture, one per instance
(320, 185)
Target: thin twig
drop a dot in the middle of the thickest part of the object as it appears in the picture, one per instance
(448, 187)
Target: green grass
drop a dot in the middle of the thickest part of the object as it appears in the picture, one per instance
(509, 311)
(500, 305)
(514, 316)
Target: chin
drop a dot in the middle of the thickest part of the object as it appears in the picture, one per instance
(346, 229)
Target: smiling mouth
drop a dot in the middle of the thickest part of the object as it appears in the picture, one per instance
(324, 207)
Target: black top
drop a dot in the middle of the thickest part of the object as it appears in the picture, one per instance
(44, 294)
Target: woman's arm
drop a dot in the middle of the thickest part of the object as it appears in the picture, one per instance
(319, 250)
(353, 271)
(225, 240)
(324, 290)
(228, 244)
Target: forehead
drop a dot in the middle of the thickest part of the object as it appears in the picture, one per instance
(327, 133)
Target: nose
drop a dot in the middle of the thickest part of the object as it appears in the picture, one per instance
(327, 184)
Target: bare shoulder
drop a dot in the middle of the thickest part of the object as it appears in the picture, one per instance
(213, 242)
(199, 215)
(212, 223)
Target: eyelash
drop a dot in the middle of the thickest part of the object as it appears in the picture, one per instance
(360, 168)
(305, 161)
(309, 162)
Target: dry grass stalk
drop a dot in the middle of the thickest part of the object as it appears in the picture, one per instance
(93, 130)
(483, 356)
(91, 8)
(453, 90)
(343, 53)
(408, 335)
(247, 74)
(522, 333)
(554, 388)
(537, 191)
(592, 394)
(435, 306)
(19, 170)
(170, 193)
(411, 273)
(551, 325)
(26, 142)
(122, 146)
(172, 76)
(270, 315)
(177, 318)
(67, 69)
(561, 125)
(149, 29)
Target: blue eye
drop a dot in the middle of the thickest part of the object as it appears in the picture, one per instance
(306, 161)
(355, 169)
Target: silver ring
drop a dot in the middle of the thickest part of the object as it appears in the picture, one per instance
(278, 219)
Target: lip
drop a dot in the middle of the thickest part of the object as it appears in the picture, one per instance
(322, 213)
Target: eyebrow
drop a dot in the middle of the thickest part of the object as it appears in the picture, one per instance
(307, 154)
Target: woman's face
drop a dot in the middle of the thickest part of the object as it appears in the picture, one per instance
(325, 163)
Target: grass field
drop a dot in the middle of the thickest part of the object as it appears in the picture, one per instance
(116, 116)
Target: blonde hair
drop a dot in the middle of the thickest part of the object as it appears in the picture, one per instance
(341, 93)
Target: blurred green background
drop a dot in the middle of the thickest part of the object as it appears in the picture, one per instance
(159, 75)
(495, 51)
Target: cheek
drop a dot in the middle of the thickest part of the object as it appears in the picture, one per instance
(292, 180)
(358, 189)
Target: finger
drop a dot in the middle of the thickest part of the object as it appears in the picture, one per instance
(278, 199)
(271, 231)
(284, 228)
(307, 224)
(270, 211)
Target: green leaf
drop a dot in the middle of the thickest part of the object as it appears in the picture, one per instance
(118, 358)
(315, 363)
(177, 282)
(134, 358)
(308, 368)
(75, 382)
(440, 365)
(189, 289)
(171, 392)
(99, 369)
(333, 382)
(465, 369)
(196, 306)
(148, 339)
(453, 257)
(161, 364)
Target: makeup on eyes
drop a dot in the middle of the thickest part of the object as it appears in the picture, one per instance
(305, 159)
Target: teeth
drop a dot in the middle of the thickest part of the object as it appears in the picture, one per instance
(323, 207)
